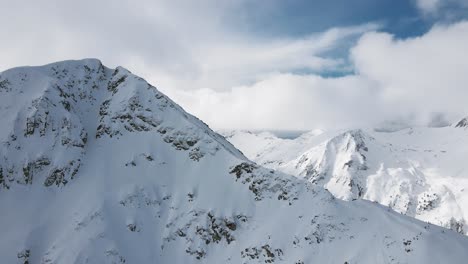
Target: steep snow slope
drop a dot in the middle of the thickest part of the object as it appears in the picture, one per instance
(420, 172)
(97, 166)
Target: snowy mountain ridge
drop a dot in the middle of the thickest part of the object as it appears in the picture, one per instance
(98, 166)
(418, 171)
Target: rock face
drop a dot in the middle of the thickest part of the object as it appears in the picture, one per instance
(462, 123)
(98, 166)
(420, 172)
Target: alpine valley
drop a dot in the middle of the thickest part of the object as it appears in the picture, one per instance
(98, 166)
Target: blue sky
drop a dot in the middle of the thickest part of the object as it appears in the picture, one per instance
(302, 17)
(404, 18)
(299, 18)
(265, 64)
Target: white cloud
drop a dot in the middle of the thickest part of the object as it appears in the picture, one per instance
(415, 81)
(177, 44)
(428, 6)
(440, 7)
(288, 101)
(236, 79)
(222, 65)
(423, 74)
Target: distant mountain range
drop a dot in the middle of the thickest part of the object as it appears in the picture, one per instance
(421, 172)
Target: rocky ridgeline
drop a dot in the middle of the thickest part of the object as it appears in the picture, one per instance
(265, 183)
(80, 104)
(98, 166)
(397, 169)
(343, 168)
(51, 120)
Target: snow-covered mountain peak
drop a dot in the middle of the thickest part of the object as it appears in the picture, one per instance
(338, 161)
(355, 140)
(98, 166)
(72, 104)
(416, 171)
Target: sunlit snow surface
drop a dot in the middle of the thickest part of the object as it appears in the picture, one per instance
(421, 172)
(97, 166)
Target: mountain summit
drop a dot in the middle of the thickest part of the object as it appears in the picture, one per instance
(420, 172)
(98, 166)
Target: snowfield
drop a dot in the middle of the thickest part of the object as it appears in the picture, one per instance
(420, 172)
(98, 166)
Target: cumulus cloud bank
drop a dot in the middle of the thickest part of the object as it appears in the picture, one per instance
(414, 81)
(200, 54)
(176, 44)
